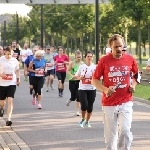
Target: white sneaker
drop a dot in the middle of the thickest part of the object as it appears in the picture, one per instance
(52, 86)
(68, 102)
(77, 113)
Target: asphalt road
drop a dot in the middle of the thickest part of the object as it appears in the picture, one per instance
(55, 127)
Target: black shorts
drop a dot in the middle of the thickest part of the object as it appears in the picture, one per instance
(7, 91)
(49, 72)
(61, 76)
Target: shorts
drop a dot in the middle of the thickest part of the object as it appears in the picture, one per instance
(49, 72)
(7, 91)
(61, 76)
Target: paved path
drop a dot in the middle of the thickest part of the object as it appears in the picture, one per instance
(55, 127)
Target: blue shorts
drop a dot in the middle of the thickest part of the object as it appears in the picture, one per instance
(50, 72)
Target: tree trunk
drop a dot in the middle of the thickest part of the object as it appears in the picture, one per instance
(139, 41)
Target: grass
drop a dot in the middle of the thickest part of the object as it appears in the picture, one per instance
(142, 91)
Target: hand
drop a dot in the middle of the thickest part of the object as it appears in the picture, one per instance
(82, 77)
(3, 75)
(109, 91)
(131, 89)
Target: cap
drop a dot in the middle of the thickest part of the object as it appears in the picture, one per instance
(48, 47)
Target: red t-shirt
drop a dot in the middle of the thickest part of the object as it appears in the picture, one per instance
(60, 66)
(114, 71)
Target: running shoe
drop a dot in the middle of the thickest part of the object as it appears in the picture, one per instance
(1, 112)
(60, 94)
(68, 102)
(8, 123)
(77, 113)
(39, 106)
(25, 78)
(52, 87)
(34, 101)
(87, 124)
(81, 124)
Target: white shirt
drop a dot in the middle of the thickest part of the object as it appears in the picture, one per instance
(25, 53)
(87, 72)
(8, 66)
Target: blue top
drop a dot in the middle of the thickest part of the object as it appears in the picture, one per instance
(39, 64)
(27, 62)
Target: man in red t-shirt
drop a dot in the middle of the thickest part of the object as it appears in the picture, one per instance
(117, 103)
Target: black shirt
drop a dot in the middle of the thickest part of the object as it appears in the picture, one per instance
(16, 53)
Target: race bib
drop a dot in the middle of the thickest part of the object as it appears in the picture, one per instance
(61, 66)
(15, 55)
(86, 81)
(40, 72)
(48, 66)
(8, 77)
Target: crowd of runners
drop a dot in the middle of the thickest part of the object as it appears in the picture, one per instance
(41, 66)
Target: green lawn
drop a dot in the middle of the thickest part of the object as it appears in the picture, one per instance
(142, 92)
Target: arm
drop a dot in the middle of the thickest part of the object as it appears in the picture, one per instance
(31, 67)
(69, 68)
(17, 71)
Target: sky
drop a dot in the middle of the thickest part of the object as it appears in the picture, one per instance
(21, 9)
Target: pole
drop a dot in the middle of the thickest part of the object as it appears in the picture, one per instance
(17, 28)
(97, 30)
(4, 44)
(42, 25)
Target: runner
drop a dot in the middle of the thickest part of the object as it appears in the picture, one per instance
(23, 56)
(54, 54)
(117, 101)
(50, 68)
(74, 84)
(16, 53)
(26, 65)
(37, 65)
(87, 92)
(61, 60)
(9, 78)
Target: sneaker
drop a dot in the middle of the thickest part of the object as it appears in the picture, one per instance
(1, 112)
(87, 124)
(77, 113)
(34, 101)
(39, 106)
(25, 78)
(60, 94)
(52, 87)
(8, 123)
(81, 124)
(68, 102)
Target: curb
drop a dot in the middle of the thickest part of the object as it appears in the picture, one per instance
(9, 140)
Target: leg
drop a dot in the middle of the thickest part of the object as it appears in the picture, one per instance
(63, 77)
(125, 119)
(47, 82)
(84, 104)
(40, 86)
(9, 108)
(110, 127)
(51, 81)
(3, 95)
